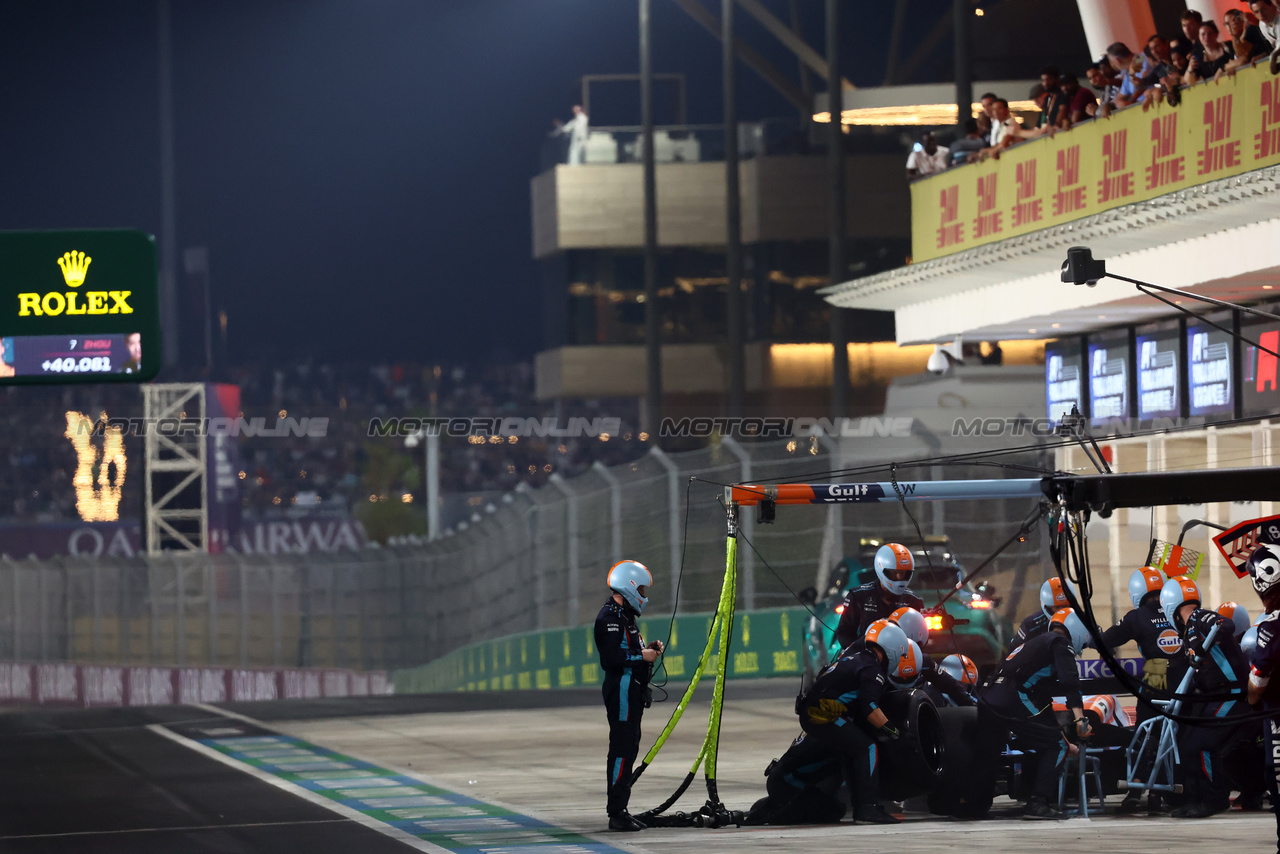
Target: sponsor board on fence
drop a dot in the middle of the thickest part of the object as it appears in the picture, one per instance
(68, 684)
(765, 643)
(303, 535)
(1220, 129)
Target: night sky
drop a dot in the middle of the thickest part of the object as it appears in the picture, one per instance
(358, 168)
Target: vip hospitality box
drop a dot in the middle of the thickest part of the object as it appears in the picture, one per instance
(78, 306)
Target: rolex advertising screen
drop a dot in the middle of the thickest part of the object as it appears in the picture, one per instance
(78, 306)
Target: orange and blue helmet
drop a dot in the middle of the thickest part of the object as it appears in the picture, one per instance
(913, 623)
(1143, 583)
(1237, 614)
(891, 640)
(894, 565)
(1069, 620)
(909, 667)
(1052, 598)
(961, 668)
(1178, 591)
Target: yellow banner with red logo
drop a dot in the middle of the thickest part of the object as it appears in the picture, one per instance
(1220, 129)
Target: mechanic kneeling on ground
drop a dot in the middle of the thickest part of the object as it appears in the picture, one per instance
(1220, 672)
(1164, 661)
(1019, 700)
(876, 600)
(801, 787)
(841, 713)
(627, 664)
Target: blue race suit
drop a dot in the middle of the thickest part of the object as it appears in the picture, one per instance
(833, 712)
(626, 682)
(1019, 701)
(1221, 672)
(1264, 664)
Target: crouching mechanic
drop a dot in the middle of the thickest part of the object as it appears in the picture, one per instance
(1220, 674)
(877, 599)
(962, 669)
(627, 663)
(916, 669)
(840, 712)
(801, 787)
(1019, 700)
(1263, 567)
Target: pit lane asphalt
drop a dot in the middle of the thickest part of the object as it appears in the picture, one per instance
(102, 780)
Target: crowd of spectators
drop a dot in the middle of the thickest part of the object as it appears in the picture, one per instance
(1120, 78)
(320, 469)
(329, 473)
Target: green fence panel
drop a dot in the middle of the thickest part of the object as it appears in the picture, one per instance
(767, 642)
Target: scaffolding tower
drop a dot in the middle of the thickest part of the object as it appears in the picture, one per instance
(177, 508)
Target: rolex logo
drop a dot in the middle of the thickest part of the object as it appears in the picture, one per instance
(74, 266)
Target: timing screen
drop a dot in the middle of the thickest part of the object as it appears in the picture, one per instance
(49, 355)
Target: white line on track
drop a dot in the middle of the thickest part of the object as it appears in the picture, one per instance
(307, 795)
(611, 840)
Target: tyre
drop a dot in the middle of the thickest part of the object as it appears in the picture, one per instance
(912, 765)
(954, 793)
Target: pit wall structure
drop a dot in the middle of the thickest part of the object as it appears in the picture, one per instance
(766, 642)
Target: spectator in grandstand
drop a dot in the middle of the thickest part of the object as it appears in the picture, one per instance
(927, 157)
(1160, 75)
(1247, 41)
(1102, 77)
(1077, 101)
(1130, 69)
(1045, 124)
(1189, 39)
(1005, 130)
(1212, 57)
(1268, 20)
(988, 102)
(1181, 61)
(1042, 99)
(1051, 80)
(971, 143)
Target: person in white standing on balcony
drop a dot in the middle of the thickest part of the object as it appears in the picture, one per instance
(576, 129)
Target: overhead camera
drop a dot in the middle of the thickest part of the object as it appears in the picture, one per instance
(944, 357)
(1081, 268)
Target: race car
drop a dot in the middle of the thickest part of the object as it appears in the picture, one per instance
(969, 622)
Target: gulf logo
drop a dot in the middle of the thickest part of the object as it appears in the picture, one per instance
(1169, 642)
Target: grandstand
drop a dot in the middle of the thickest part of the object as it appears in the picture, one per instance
(303, 475)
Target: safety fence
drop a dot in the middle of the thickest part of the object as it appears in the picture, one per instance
(62, 684)
(767, 642)
(532, 561)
